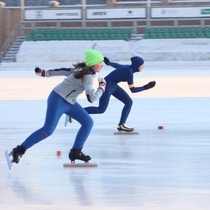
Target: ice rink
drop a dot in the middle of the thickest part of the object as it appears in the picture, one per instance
(156, 170)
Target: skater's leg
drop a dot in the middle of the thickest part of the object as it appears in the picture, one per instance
(80, 115)
(56, 106)
(121, 95)
(101, 108)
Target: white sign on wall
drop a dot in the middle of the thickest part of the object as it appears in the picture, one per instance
(179, 12)
(56, 14)
(116, 13)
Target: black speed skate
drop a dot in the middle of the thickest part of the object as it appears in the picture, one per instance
(77, 154)
(124, 127)
(17, 153)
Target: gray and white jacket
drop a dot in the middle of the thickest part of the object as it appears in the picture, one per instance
(71, 88)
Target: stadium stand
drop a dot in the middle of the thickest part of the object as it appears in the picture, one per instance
(177, 32)
(80, 34)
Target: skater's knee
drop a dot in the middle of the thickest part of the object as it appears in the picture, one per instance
(101, 110)
(47, 132)
(129, 102)
(90, 123)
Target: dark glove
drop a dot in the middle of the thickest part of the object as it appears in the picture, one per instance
(40, 72)
(149, 85)
(37, 70)
(106, 60)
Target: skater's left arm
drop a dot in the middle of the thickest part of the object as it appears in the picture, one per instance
(139, 89)
(112, 64)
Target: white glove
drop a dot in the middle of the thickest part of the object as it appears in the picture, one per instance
(102, 84)
(101, 80)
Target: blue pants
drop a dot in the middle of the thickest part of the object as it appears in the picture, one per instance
(56, 106)
(119, 94)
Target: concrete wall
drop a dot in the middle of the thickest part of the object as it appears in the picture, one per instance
(9, 18)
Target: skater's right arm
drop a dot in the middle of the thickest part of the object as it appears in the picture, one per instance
(90, 92)
(112, 64)
(53, 72)
(60, 72)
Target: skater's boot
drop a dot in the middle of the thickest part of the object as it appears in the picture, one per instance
(70, 119)
(79, 155)
(124, 127)
(17, 153)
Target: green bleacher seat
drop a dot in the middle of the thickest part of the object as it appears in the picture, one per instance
(159, 35)
(86, 36)
(73, 36)
(93, 36)
(97, 31)
(173, 35)
(45, 31)
(148, 31)
(99, 36)
(53, 37)
(180, 30)
(47, 37)
(201, 35)
(34, 38)
(122, 31)
(193, 34)
(207, 34)
(29, 38)
(78, 31)
(180, 35)
(196, 29)
(60, 37)
(67, 36)
(105, 36)
(146, 36)
(32, 32)
(126, 37)
(186, 35)
(112, 37)
(166, 35)
(79, 36)
(153, 35)
(119, 36)
(70, 31)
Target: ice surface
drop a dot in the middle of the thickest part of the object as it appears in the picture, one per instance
(155, 170)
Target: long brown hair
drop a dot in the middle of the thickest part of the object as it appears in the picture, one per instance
(79, 70)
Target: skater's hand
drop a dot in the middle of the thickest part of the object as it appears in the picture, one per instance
(149, 85)
(106, 60)
(40, 72)
(102, 83)
(101, 80)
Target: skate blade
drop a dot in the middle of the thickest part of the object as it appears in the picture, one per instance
(66, 120)
(126, 133)
(9, 162)
(67, 165)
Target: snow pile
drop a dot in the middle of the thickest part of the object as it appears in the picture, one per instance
(116, 50)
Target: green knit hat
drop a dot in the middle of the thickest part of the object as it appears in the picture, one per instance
(93, 57)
